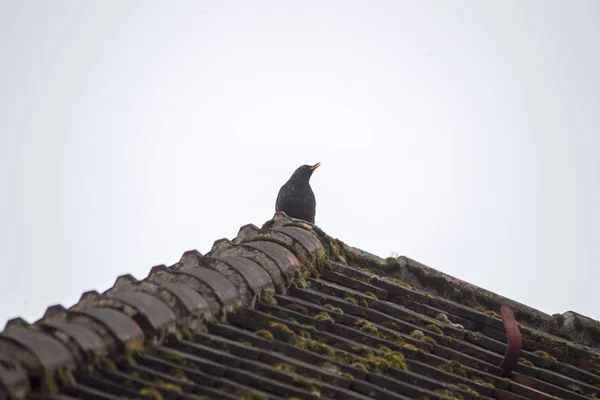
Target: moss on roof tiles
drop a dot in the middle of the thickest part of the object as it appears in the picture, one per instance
(454, 367)
(265, 334)
(382, 338)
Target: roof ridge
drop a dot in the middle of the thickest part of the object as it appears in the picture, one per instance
(566, 326)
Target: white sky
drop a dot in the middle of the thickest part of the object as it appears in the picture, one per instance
(462, 134)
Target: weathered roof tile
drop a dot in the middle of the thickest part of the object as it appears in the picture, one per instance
(252, 275)
(150, 313)
(14, 380)
(115, 328)
(80, 340)
(40, 354)
(278, 261)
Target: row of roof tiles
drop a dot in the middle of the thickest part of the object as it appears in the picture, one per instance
(286, 311)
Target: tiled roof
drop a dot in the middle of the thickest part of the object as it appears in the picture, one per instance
(287, 312)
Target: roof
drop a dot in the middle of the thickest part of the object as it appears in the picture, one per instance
(286, 312)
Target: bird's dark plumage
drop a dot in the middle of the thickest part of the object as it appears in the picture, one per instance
(296, 197)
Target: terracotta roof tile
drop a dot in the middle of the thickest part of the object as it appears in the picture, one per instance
(285, 311)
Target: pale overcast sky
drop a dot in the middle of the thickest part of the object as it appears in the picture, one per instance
(462, 134)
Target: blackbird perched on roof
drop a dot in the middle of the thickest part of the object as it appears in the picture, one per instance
(296, 197)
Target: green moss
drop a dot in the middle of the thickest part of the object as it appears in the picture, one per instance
(448, 394)
(371, 295)
(298, 308)
(417, 334)
(323, 316)
(347, 375)
(265, 334)
(333, 308)
(560, 347)
(390, 324)
(133, 349)
(309, 387)
(383, 348)
(484, 383)
(312, 266)
(65, 376)
(336, 370)
(211, 319)
(169, 386)
(559, 320)
(434, 328)
(333, 247)
(284, 330)
(299, 280)
(525, 361)
(173, 357)
(377, 364)
(269, 224)
(267, 297)
(366, 360)
(151, 392)
(394, 337)
(429, 340)
(179, 374)
(308, 268)
(547, 356)
(409, 346)
(468, 388)
(364, 303)
(319, 347)
(244, 394)
(322, 260)
(360, 365)
(437, 281)
(366, 327)
(301, 225)
(285, 367)
(309, 328)
(442, 317)
(391, 265)
(484, 310)
(454, 367)
(396, 359)
(237, 306)
(363, 262)
(351, 299)
(398, 282)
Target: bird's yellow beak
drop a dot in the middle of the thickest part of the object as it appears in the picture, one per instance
(315, 166)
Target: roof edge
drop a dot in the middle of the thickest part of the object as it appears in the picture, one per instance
(568, 325)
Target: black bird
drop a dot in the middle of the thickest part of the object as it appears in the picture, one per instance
(296, 197)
